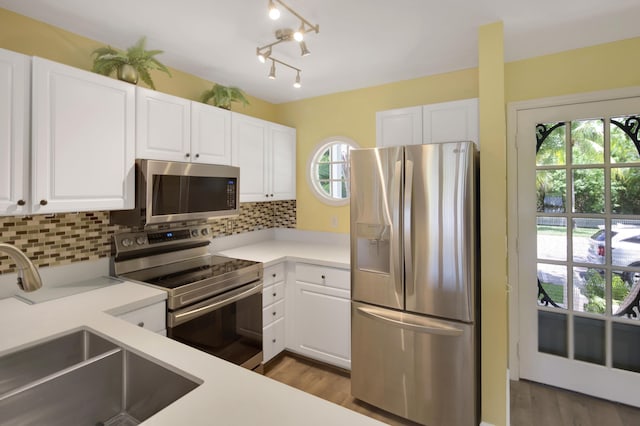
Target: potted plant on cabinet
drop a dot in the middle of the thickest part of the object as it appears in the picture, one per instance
(222, 96)
(134, 63)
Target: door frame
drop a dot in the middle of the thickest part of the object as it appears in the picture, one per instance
(513, 108)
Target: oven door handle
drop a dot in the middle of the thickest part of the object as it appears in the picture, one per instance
(187, 314)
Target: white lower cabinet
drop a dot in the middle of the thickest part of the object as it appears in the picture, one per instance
(152, 317)
(273, 340)
(321, 314)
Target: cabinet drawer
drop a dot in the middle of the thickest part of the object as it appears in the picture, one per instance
(152, 317)
(323, 275)
(272, 313)
(273, 339)
(273, 274)
(272, 294)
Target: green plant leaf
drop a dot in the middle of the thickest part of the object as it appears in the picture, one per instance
(107, 60)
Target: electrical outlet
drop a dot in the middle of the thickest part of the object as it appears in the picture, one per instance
(229, 226)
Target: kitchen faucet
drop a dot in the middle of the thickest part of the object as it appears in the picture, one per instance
(28, 276)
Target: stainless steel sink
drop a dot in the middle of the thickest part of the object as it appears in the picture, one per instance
(84, 379)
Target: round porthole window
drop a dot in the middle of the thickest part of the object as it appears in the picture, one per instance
(328, 170)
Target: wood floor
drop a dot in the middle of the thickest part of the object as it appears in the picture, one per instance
(532, 404)
(325, 382)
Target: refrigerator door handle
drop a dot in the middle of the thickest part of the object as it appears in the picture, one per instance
(410, 322)
(396, 248)
(408, 201)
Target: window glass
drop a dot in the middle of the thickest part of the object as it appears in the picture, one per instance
(329, 170)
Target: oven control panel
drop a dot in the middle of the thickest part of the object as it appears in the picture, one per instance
(135, 241)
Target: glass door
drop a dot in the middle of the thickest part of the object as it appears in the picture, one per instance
(579, 247)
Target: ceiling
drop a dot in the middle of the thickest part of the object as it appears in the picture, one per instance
(361, 43)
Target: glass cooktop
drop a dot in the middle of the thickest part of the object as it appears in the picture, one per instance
(190, 271)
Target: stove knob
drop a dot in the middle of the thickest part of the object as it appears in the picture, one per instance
(204, 231)
(194, 232)
(126, 242)
(141, 240)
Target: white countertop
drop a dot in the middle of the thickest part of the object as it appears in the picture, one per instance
(273, 251)
(228, 395)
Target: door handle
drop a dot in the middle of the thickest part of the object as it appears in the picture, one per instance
(409, 322)
(396, 248)
(189, 313)
(408, 206)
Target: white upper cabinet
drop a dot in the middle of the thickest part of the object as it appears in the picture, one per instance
(177, 129)
(15, 104)
(401, 126)
(210, 134)
(83, 140)
(265, 153)
(283, 162)
(163, 126)
(433, 123)
(450, 121)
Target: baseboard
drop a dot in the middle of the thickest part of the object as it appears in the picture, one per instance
(486, 424)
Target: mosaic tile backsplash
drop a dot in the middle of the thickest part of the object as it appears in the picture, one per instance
(76, 237)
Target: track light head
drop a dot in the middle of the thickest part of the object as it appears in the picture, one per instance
(303, 49)
(297, 83)
(274, 12)
(263, 56)
(299, 34)
(272, 71)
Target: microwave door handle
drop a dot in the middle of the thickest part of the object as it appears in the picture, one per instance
(196, 311)
(409, 322)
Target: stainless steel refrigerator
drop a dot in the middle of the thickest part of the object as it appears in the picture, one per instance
(414, 315)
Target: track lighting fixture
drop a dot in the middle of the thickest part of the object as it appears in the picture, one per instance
(283, 35)
(303, 49)
(297, 83)
(263, 56)
(272, 71)
(299, 35)
(274, 12)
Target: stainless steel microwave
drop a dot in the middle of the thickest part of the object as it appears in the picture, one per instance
(171, 191)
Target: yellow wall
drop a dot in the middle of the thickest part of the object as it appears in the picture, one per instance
(493, 223)
(353, 114)
(31, 37)
(601, 67)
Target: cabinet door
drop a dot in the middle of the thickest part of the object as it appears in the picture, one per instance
(282, 162)
(210, 134)
(163, 126)
(323, 323)
(249, 144)
(273, 340)
(83, 140)
(450, 121)
(401, 126)
(15, 85)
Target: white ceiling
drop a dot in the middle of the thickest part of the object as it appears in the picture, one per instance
(361, 43)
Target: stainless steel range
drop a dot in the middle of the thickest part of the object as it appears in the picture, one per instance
(214, 302)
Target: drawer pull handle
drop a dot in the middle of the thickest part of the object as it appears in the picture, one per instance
(274, 313)
(21, 202)
(43, 202)
(274, 340)
(273, 275)
(323, 277)
(274, 295)
(141, 324)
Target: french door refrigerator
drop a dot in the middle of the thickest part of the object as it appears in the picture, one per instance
(413, 281)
